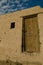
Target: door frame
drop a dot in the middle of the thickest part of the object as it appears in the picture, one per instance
(23, 31)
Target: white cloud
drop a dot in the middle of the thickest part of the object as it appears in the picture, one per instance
(1, 11)
(16, 1)
(25, 0)
(0, 3)
(15, 9)
(22, 7)
(19, 5)
(5, 6)
(4, 1)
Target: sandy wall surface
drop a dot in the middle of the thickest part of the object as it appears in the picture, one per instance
(11, 39)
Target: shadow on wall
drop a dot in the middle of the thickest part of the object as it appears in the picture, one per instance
(9, 62)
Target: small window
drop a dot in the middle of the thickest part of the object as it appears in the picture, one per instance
(12, 25)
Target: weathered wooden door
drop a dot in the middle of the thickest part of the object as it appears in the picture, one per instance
(31, 34)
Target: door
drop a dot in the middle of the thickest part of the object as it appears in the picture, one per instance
(30, 34)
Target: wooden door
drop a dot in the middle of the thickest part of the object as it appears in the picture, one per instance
(31, 34)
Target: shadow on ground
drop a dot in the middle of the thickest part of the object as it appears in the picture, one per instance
(9, 62)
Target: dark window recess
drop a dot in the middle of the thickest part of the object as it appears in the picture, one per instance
(12, 25)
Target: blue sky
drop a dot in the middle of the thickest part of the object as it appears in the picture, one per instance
(7, 6)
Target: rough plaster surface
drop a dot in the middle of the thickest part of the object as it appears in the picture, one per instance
(11, 39)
